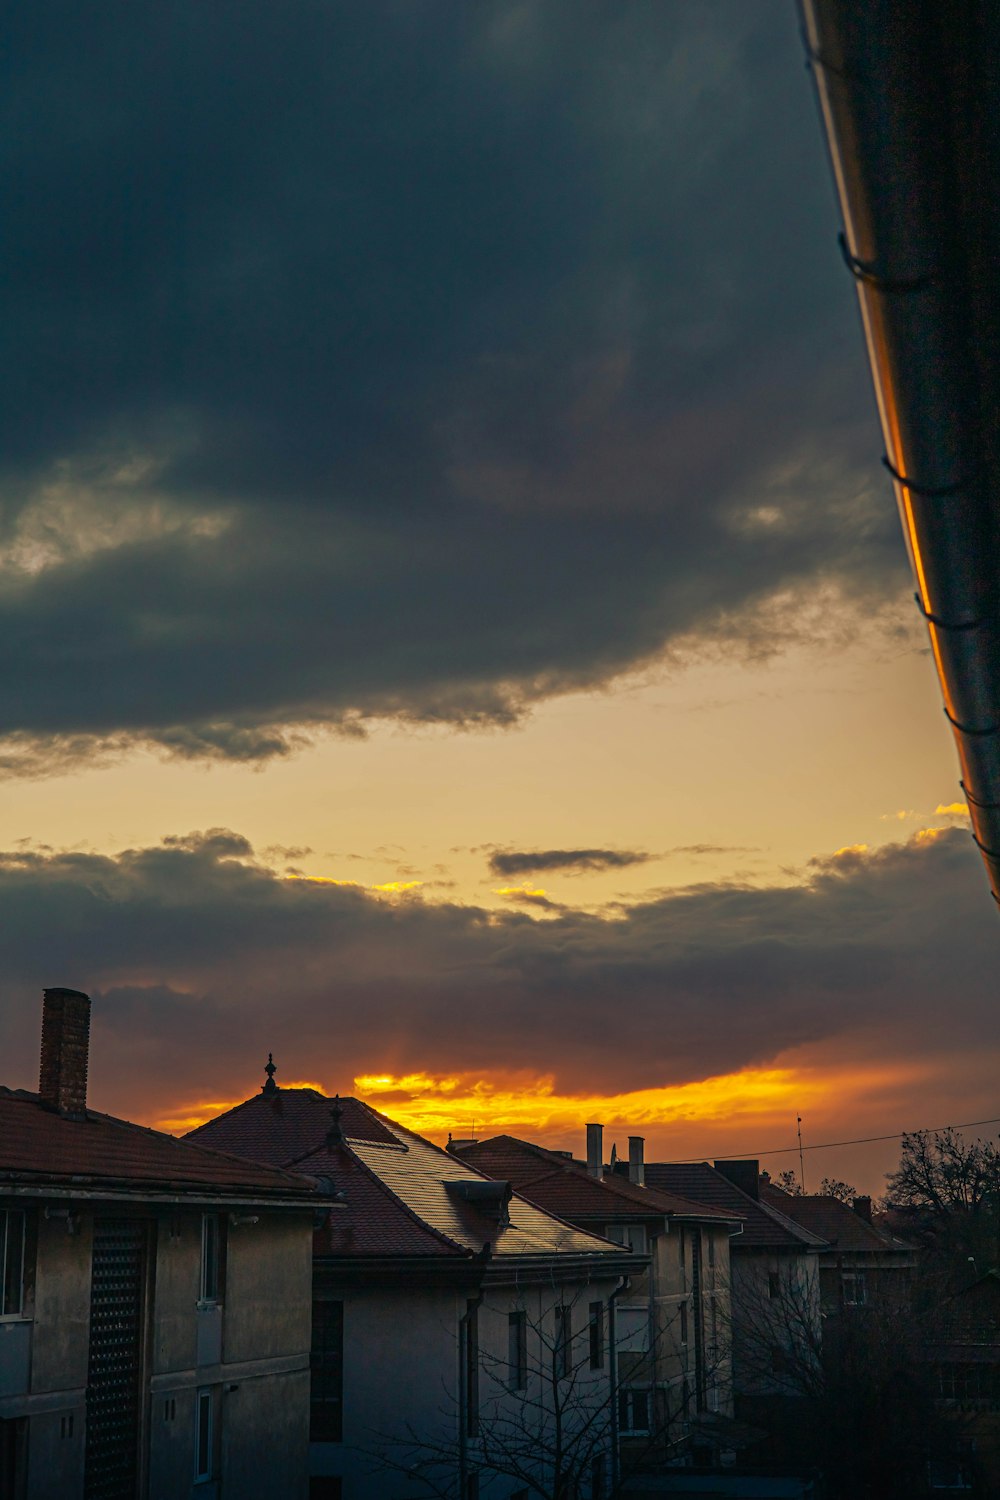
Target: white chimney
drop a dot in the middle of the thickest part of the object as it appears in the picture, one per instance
(636, 1164)
(595, 1150)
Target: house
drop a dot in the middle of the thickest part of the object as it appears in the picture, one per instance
(461, 1334)
(859, 1263)
(672, 1323)
(963, 1348)
(776, 1320)
(154, 1301)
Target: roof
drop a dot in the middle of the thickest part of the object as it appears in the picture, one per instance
(565, 1187)
(834, 1221)
(764, 1227)
(40, 1147)
(401, 1193)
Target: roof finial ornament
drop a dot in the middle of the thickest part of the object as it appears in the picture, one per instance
(335, 1135)
(270, 1087)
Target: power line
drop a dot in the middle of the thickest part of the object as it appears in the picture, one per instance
(863, 1140)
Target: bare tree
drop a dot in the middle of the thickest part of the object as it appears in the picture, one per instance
(830, 1187)
(547, 1413)
(853, 1394)
(950, 1191)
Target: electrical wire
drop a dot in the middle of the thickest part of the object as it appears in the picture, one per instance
(863, 1140)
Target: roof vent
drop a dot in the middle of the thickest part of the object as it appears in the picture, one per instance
(488, 1196)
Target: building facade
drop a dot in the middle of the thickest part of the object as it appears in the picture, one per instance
(154, 1302)
(460, 1333)
(671, 1324)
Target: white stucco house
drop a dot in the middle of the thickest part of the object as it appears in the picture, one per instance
(461, 1339)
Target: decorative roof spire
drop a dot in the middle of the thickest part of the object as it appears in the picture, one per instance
(335, 1135)
(270, 1087)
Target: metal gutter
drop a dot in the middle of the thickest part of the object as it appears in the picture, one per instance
(909, 92)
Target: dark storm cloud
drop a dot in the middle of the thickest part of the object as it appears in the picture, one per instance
(407, 360)
(525, 861)
(201, 959)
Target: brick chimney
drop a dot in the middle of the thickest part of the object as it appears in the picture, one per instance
(742, 1174)
(62, 1077)
(636, 1162)
(595, 1150)
(863, 1208)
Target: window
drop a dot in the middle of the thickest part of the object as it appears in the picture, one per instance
(854, 1288)
(598, 1477)
(212, 1243)
(684, 1323)
(564, 1340)
(595, 1328)
(11, 1262)
(471, 1321)
(517, 1351)
(326, 1365)
(773, 1285)
(632, 1330)
(633, 1236)
(204, 1437)
(633, 1410)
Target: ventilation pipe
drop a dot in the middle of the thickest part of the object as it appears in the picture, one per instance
(636, 1164)
(910, 95)
(595, 1150)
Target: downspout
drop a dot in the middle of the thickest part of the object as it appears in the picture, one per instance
(909, 98)
(622, 1286)
(472, 1307)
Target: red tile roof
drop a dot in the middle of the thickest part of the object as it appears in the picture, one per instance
(279, 1128)
(564, 1186)
(399, 1189)
(41, 1147)
(834, 1221)
(763, 1227)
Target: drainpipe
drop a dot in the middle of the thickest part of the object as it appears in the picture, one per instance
(909, 98)
(472, 1307)
(622, 1286)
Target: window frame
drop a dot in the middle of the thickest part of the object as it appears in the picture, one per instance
(326, 1372)
(517, 1350)
(562, 1349)
(595, 1335)
(13, 1309)
(204, 1435)
(858, 1283)
(212, 1272)
(626, 1410)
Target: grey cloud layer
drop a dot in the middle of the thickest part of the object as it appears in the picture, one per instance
(201, 959)
(525, 861)
(420, 361)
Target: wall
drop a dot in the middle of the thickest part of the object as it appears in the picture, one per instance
(401, 1378)
(261, 1385)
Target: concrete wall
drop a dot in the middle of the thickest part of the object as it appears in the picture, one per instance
(267, 1266)
(176, 1287)
(61, 1332)
(777, 1326)
(265, 1437)
(260, 1385)
(401, 1377)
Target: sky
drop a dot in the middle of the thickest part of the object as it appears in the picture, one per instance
(456, 632)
